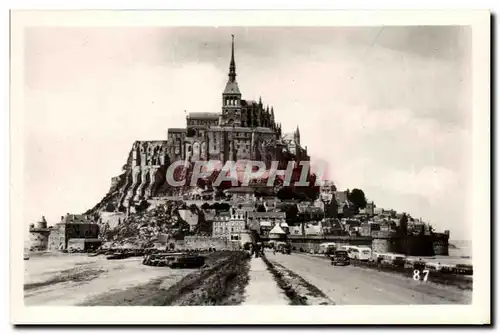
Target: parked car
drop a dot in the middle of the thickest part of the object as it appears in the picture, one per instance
(283, 247)
(340, 257)
(389, 258)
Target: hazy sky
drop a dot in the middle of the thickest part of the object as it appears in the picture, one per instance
(389, 109)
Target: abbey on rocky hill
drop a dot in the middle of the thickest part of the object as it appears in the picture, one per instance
(244, 130)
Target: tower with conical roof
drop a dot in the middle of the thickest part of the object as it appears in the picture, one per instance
(231, 97)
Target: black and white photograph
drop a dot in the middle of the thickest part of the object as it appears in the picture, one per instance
(250, 164)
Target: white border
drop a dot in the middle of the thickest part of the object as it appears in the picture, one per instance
(478, 312)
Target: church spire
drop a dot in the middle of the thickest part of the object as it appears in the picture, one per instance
(232, 86)
(232, 65)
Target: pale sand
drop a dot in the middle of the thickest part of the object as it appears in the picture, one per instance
(70, 279)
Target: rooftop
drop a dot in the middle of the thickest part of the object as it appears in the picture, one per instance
(203, 115)
(248, 102)
(266, 215)
(232, 88)
(277, 230)
(239, 190)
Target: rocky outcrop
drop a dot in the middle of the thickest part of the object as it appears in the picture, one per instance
(139, 179)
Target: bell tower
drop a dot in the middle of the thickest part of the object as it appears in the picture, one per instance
(231, 97)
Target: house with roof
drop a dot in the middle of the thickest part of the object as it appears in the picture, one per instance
(277, 233)
(308, 212)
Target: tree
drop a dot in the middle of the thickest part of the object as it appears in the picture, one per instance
(205, 206)
(291, 213)
(331, 209)
(357, 197)
(203, 227)
(221, 206)
(285, 193)
(311, 191)
(261, 208)
(403, 225)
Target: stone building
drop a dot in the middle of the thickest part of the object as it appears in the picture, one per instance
(39, 236)
(243, 130)
(146, 159)
(230, 225)
(72, 227)
(369, 210)
(341, 196)
(277, 233)
(263, 222)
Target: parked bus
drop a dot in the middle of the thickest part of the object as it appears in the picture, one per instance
(392, 258)
(327, 248)
(359, 253)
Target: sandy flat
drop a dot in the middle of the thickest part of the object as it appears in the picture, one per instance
(71, 279)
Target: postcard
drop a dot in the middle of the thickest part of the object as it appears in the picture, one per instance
(250, 167)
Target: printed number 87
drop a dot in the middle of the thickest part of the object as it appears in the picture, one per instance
(416, 275)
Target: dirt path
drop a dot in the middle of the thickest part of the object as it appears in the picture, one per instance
(263, 288)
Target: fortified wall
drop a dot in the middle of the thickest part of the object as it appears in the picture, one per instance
(195, 242)
(143, 178)
(379, 242)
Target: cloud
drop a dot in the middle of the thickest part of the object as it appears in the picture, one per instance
(431, 182)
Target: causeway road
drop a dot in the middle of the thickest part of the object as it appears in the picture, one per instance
(351, 285)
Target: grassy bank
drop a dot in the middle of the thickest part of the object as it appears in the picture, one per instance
(296, 288)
